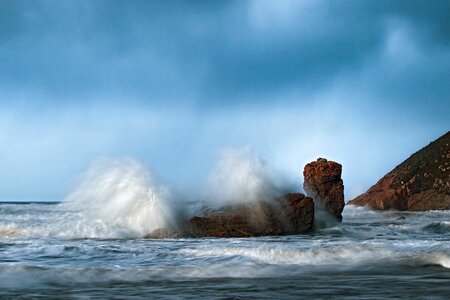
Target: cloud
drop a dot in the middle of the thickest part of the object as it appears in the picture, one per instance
(215, 52)
(173, 82)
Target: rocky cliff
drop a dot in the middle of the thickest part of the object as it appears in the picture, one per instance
(422, 182)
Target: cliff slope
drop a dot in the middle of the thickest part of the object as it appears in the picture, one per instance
(422, 182)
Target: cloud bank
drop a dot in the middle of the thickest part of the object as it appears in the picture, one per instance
(172, 83)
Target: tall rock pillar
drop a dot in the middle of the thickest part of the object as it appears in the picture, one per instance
(323, 183)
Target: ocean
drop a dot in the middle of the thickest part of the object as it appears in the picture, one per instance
(51, 250)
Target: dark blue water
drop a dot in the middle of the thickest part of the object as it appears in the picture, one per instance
(50, 251)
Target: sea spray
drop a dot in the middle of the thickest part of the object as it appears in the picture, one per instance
(120, 198)
(240, 176)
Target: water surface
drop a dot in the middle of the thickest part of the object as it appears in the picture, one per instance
(48, 250)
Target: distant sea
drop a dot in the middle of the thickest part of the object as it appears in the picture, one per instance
(49, 250)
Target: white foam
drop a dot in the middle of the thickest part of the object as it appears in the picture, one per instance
(441, 259)
(119, 198)
(342, 255)
(9, 231)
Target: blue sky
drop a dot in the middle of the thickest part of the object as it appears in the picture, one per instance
(172, 83)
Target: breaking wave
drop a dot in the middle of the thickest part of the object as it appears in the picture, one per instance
(340, 255)
(120, 198)
(347, 256)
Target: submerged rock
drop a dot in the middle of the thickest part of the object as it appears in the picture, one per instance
(422, 182)
(323, 183)
(292, 214)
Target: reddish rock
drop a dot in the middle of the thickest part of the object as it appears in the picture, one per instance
(292, 214)
(422, 182)
(297, 213)
(323, 183)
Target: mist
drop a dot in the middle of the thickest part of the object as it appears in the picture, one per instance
(240, 176)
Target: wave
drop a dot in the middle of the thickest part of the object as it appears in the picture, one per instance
(441, 259)
(339, 255)
(100, 260)
(120, 198)
(344, 256)
(438, 227)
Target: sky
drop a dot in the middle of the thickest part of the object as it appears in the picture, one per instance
(173, 83)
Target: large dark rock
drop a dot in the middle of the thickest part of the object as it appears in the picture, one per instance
(292, 214)
(422, 182)
(323, 183)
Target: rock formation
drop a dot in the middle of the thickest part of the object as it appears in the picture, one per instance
(422, 182)
(292, 214)
(323, 183)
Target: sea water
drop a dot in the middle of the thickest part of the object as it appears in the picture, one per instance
(57, 250)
